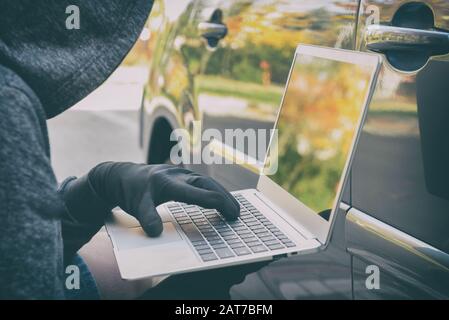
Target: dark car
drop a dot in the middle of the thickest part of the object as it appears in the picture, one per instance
(226, 62)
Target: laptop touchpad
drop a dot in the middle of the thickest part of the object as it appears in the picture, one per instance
(132, 238)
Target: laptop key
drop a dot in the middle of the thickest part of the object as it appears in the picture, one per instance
(232, 241)
(280, 235)
(202, 247)
(227, 233)
(208, 257)
(212, 215)
(179, 214)
(237, 245)
(253, 243)
(258, 249)
(271, 242)
(268, 239)
(243, 232)
(219, 246)
(275, 246)
(251, 223)
(210, 234)
(216, 242)
(184, 222)
(289, 244)
(205, 251)
(191, 232)
(257, 227)
(206, 229)
(224, 253)
(199, 243)
(242, 251)
(213, 238)
(262, 233)
(246, 235)
(221, 228)
(250, 239)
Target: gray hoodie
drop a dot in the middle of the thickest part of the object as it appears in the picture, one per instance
(45, 69)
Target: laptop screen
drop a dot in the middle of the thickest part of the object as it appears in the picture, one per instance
(319, 116)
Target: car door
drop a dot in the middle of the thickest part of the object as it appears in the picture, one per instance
(239, 78)
(397, 228)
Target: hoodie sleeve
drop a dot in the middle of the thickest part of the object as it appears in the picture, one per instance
(31, 263)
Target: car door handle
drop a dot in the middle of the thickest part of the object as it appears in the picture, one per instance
(383, 39)
(210, 30)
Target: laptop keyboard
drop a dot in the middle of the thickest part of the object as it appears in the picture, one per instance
(214, 238)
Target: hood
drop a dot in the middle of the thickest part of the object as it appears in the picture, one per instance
(62, 65)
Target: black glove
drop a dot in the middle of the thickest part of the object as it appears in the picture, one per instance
(138, 189)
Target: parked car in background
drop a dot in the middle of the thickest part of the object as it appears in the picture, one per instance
(225, 63)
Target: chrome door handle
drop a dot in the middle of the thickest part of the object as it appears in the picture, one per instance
(210, 30)
(381, 38)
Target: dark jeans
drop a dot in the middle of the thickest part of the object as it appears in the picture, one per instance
(88, 288)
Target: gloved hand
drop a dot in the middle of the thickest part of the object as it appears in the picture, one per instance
(138, 189)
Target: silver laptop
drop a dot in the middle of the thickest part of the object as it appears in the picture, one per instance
(292, 210)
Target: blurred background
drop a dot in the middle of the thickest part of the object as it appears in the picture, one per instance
(104, 125)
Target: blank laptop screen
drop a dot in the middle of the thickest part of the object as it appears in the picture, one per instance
(321, 109)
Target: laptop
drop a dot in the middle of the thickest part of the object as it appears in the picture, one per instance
(292, 209)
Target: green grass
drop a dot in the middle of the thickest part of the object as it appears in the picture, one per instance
(252, 92)
(272, 94)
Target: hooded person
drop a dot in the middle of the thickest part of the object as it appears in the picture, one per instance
(44, 69)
